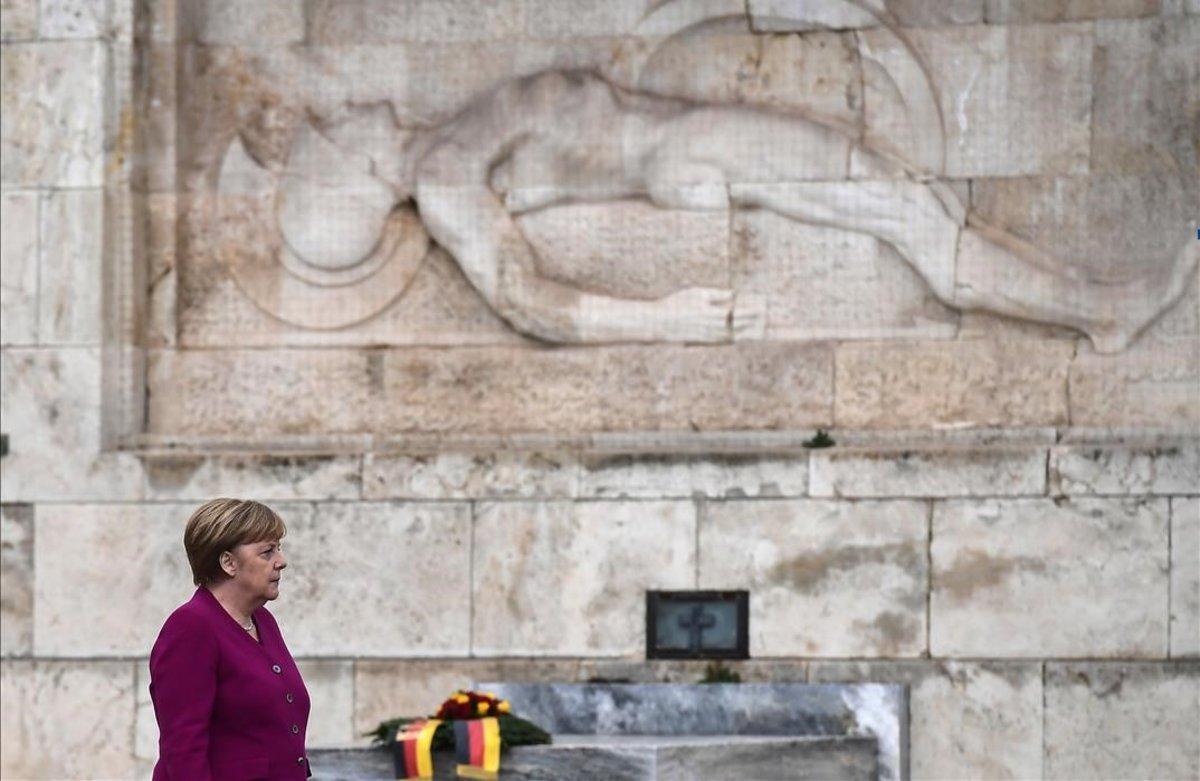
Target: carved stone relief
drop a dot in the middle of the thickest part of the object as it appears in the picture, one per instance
(324, 192)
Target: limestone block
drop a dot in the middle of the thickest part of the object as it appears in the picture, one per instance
(629, 249)
(1035, 577)
(950, 472)
(389, 688)
(597, 559)
(1151, 384)
(339, 22)
(19, 259)
(1021, 11)
(330, 684)
(750, 385)
(553, 20)
(73, 18)
(447, 475)
(152, 169)
(1185, 576)
(419, 550)
(145, 729)
(16, 596)
(791, 15)
(265, 478)
(825, 578)
(51, 411)
(715, 476)
(1104, 227)
(963, 383)
(42, 733)
(19, 19)
(980, 72)
(51, 106)
(162, 277)
(439, 308)
(1122, 720)
(72, 240)
(995, 709)
(1168, 469)
(1147, 99)
(122, 608)
(238, 22)
(816, 74)
(821, 282)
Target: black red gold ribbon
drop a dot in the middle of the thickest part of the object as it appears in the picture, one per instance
(413, 754)
(477, 747)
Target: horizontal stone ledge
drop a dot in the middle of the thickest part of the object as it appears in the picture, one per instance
(681, 442)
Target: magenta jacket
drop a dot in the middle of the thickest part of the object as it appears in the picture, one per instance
(227, 706)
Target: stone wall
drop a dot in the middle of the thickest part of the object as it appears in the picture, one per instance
(1009, 521)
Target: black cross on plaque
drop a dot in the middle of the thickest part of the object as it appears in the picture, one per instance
(696, 621)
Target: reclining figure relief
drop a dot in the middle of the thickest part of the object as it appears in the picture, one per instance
(570, 136)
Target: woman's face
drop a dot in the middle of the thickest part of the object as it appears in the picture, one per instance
(259, 566)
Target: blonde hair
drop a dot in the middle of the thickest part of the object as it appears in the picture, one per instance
(219, 525)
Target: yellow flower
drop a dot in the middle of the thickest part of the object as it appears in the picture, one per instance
(461, 698)
(503, 706)
(483, 708)
(489, 695)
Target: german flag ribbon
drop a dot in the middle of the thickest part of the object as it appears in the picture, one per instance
(413, 750)
(477, 747)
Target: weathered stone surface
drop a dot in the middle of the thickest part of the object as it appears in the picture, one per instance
(629, 249)
(1151, 384)
(817, 74)
(423, 21)
(1102, 226)
(41, 732)
(748, 385)
(882, 473)
(789, 15)
(51, 411)
(1121, 720)
(16, 576)
(1168, 469)
(1147, 89)
(265, 478)
(821, 282)
(691, 671)
(72, 236)
(1045, 70)
(552, 20)
(19, 19)
(995, 709)
(389, 688)
(964, 383)
(401, 549)
(235, 22)
(145, 728)
(1034, 577)
(825, 578)
(330, 684)
(86, 605)
(597, 559)
(651, 476)
(19, 261)
(507, 474)
(51, 108)
(1185, 576)
(1020, 11)
(73, 18)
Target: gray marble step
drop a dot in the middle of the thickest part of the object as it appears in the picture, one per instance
(642, 758)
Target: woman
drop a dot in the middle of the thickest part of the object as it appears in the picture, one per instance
(229, 701)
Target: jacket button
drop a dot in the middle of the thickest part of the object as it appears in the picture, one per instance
(299, 760)
(276, 668)
(295, 728)
(290, 697)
